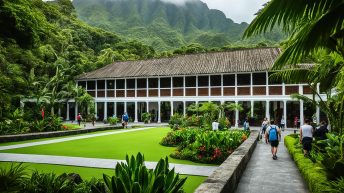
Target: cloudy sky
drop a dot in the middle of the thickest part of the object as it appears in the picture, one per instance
(238, 10)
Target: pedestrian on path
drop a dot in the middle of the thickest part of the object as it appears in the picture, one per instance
(306, 137)
(273, 136)
(125, 120)
(282, 123)
(79, 118)
(265, 124)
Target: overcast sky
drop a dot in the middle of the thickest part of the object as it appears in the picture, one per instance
(237, 10)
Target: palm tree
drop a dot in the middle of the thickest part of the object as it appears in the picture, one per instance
(313, 25)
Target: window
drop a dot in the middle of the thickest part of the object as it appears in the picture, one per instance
(203, 81)
(153, 82)
(91, 85)
(142, 83)
(273, 81)
(190, 81)
(100, 84)
(178, 82)
(244, 79)
(229, 80)
(215, 80)
(110, 84)
(130, 83)
(82, 84)
(165, 82)
(259, 78)
(120, 84)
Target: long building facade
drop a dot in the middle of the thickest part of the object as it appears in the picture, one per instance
(166, 86)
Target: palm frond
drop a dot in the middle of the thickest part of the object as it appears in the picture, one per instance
(292, 76)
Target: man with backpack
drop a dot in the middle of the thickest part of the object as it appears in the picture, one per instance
(125, 120)
(273, 135)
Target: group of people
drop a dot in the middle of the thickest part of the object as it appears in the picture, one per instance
(272, 135)
(125, 119)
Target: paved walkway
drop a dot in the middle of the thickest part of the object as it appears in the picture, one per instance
(265, 175)
(100, 163)
(70, 138)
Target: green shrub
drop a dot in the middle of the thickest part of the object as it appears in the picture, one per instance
(202, 145)
(146, 117)
(337, 186)
(177, 121)
(313, 173)
(13, 178)
(113, 120)
(133, 176)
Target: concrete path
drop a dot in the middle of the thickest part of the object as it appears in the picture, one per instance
(265, 175)
(99, 163)
(70, 138)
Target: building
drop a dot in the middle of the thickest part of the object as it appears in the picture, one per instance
(168, 85)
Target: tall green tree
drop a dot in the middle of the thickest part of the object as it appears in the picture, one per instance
(312, 25)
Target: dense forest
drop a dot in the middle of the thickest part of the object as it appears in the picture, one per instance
(167, 26)
(41, 37)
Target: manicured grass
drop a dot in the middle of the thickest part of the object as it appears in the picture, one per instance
(87, 173)
(114, 146)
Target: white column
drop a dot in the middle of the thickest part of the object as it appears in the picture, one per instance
(59, 111)
(147, 88)
(76, 110)
(318, 114)
(115, 108)
(22, 105)
(96, 108)
(105, 86)
(252, 108)
(285, 113)
(171, 108)
(125, 107)
(125, 91)
(159, 87)
(96, 94)
(147, 107)
(251, 85)
(67, 117)
(196, 85)
(267, 110)
(283, 88)
(105, 110)
(221, 84)
(184, 94)
(184, 109)
(301, 113)
(236, 87)
(159, 113)
(209, 90)
(267, 83)
(236, 115)
(136, 119)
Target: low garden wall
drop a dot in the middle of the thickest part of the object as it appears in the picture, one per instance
(226, 177)
(30, 136)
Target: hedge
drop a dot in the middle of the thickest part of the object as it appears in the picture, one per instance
(313, 173)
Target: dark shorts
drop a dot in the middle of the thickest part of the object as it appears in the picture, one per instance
(274, 143)
(307, 143)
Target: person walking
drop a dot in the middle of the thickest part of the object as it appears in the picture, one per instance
(215, 125)
(282, 123)
(273, 136)
(320, 133)
(296, 120)
(125, 120)
(265, 124)
(306, 137)
(79, 118)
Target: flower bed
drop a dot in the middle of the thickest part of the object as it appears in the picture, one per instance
(204, 146)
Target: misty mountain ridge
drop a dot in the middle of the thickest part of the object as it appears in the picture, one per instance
(165, 24)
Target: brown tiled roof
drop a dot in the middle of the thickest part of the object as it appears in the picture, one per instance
(248, 60)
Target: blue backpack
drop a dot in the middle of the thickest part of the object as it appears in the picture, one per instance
(125, 118)
(273, 134)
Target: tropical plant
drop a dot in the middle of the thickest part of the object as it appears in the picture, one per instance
(12, 179)
(146, 117)
(113, 120)
(133, 176)
(177, 121)
(313, 25)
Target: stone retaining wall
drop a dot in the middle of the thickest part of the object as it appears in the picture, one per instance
(226, 177)
(30, 136)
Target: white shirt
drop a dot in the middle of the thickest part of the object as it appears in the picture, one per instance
(307, 131)
(215, 126)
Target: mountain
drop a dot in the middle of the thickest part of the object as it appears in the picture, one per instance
(164, 25)
(45, 35)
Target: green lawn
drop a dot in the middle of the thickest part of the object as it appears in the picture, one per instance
(87, 173)
(112, 146)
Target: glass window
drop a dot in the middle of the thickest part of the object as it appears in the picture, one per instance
(110, 84)
(130, 83)
(215, 80)
(203, 81)
(153, 82)
(229, 80)
(272, 81)
(190, 81)
(142, 83)
(244, 79)
(91, 85)
(178, 82)
(100, 84)
(259, 78)
(165, 82)
(120, 84)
